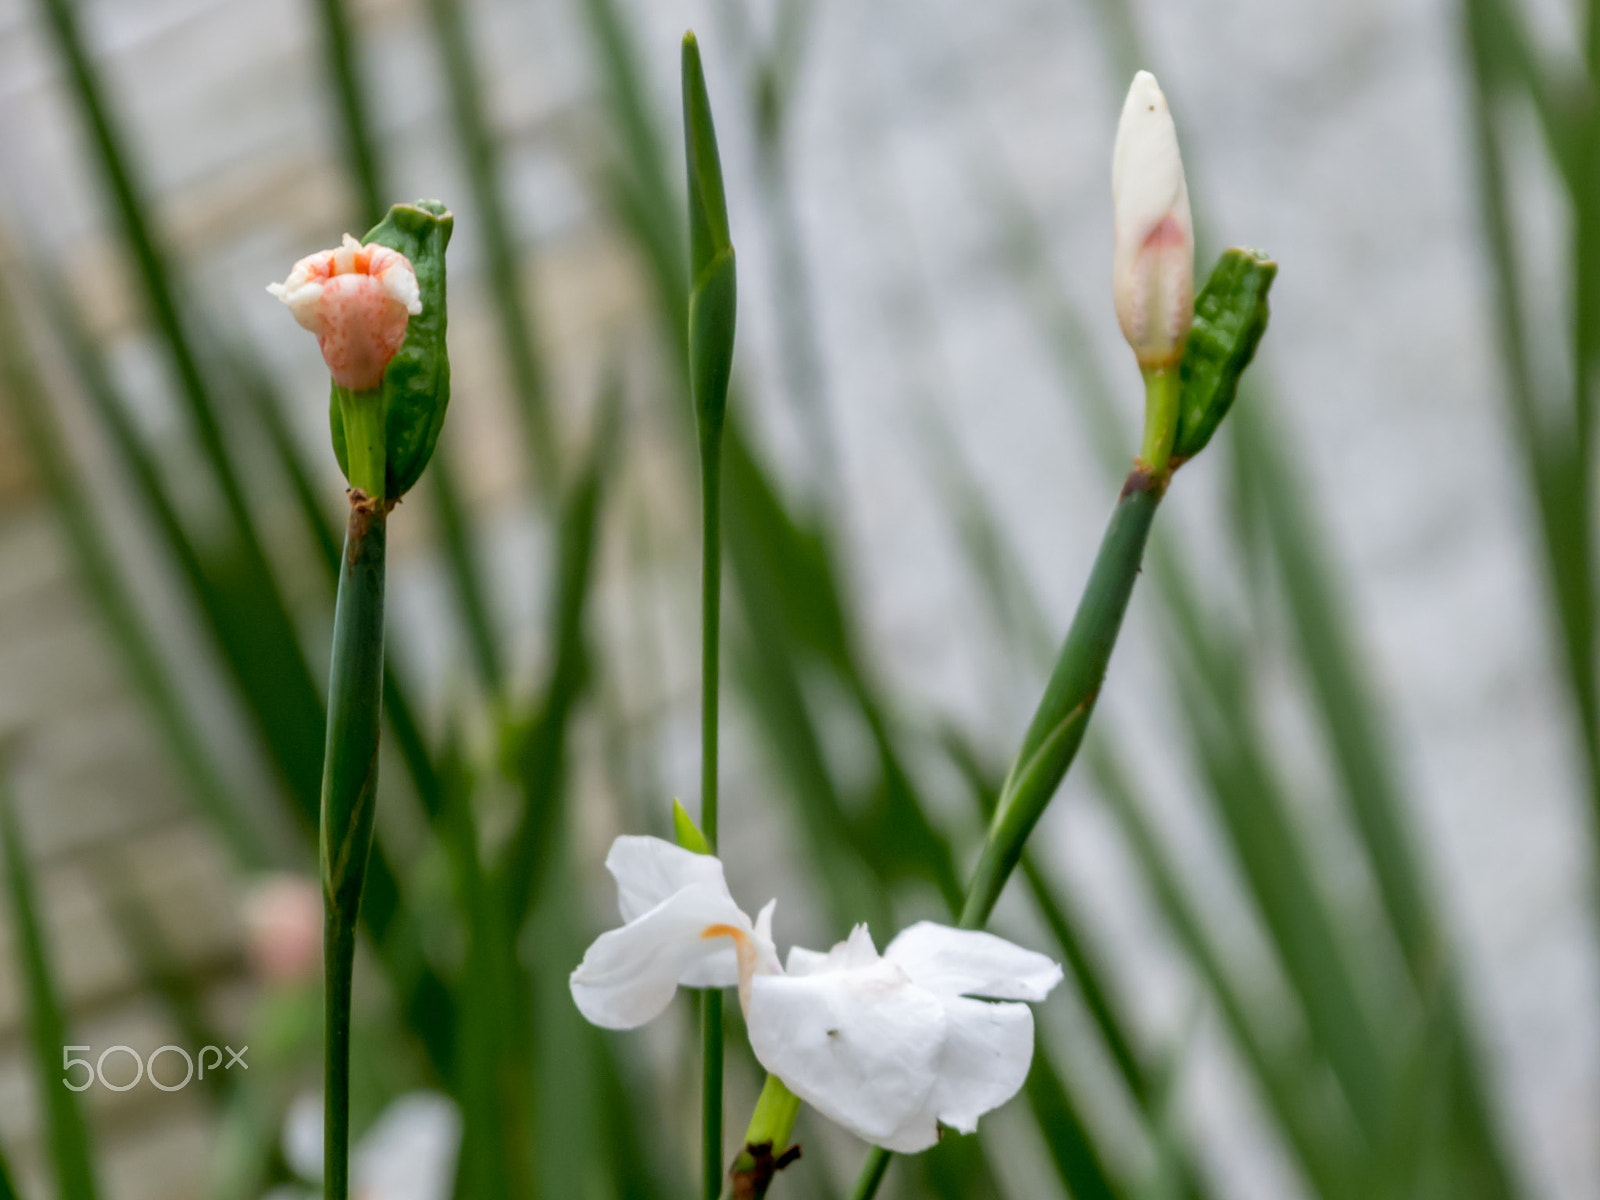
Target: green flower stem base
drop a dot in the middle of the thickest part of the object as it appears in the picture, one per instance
(1160, 418)
(365, 415)
(349, 792)
(766, 1142)
(1062, 717)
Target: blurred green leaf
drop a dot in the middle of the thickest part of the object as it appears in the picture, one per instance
(67, 1135)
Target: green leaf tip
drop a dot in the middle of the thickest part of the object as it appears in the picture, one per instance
(686, 832)
(708, 206)
(416, 386)
(1230, 316)
(713, 282)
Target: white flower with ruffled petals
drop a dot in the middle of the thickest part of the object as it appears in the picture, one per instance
(681, 929)
(894, 1046)
(357, 300)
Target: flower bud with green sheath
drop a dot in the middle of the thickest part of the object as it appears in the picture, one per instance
(1191, 354)
(377, 308)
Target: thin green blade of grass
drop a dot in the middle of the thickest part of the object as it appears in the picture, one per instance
(1324, 1140)
(479, 148)
(460, 554)
(284, 659)
(66, 1133)
(539, 757)
(340, 52)
(1277, 868)
(104, 578)
(494, 1083)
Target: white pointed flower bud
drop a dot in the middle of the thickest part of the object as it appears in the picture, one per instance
(1152, 273)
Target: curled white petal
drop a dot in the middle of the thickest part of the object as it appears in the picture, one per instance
(969, 962)
(629, 975)
(861, 1046)
(1153, 250)
(648, 870)
(681, 929)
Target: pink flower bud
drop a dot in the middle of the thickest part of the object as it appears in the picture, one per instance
(357, 300)
(1152, 273)
(283, 928)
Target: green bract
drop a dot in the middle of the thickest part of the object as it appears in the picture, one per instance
(416, 386)
(1230, 315)
(712, 280)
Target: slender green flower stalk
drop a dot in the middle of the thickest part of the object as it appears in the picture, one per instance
(712, 304)
(378, 310)
(1187, 403)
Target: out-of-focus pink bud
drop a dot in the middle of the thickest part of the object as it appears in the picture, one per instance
(283, 928)
(1152, 273)
(357, 300)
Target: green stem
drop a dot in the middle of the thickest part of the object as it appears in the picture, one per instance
(338, 960)
(349, 790)
(364, 438)
(1063, 714)
(766, 1148)
(1160, 418)
(1062, 717)
(710, 674)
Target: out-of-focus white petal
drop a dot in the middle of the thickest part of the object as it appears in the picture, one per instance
(860, 1045)
(629, 974)
(648, 870)
(410, 1152)
(968, 962)
(302, 1136)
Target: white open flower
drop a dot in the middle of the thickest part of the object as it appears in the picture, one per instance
(409, 1153)
(1152, 272)
(681, 928)
(894, 1046)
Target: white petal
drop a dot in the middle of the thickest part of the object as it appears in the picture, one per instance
(967, 962)
(303, 295)
(648, 870)
(804, 962)
(410, 1153)
(302, 1136)
(630, 974)
(987, 1051)
(860, 1046)
(399, 279)
(1146, 169)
